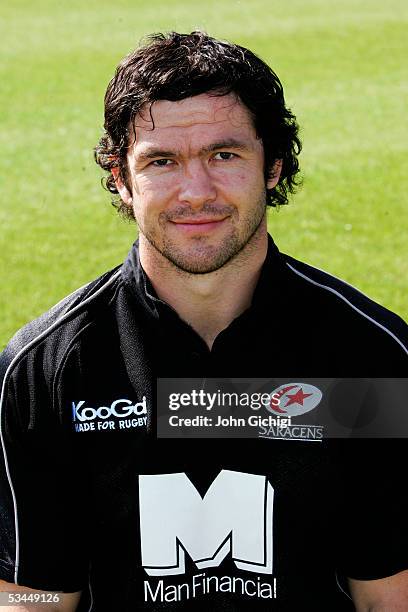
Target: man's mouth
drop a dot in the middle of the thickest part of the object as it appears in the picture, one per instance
(198, 223)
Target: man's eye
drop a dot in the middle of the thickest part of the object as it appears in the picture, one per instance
(162, 162)
(224, 155)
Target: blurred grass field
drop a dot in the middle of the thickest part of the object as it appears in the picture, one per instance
(343, 66)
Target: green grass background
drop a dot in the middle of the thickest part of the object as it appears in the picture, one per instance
(343, 65)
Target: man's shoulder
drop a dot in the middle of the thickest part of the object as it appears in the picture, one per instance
(339, 301)
(58, 325)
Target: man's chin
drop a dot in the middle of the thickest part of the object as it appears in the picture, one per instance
(197, 265)
(202, 259)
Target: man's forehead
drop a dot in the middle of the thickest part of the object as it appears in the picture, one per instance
(199, 110)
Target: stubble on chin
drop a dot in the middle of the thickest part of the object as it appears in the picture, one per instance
(202, 257)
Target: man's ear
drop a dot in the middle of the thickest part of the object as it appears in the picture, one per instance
(120, 186)
(275, 174)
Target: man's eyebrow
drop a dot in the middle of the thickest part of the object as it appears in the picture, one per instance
(154, 154)
(230, 143)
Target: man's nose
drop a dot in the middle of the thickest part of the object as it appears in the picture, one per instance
(197, 186)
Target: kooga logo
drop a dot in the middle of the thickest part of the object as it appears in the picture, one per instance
(234, 516)
(120, 408)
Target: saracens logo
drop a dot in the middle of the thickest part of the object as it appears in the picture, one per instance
(292, 399)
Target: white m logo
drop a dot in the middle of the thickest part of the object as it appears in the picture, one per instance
(235, 515)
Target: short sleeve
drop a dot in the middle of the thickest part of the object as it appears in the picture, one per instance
(43, 500)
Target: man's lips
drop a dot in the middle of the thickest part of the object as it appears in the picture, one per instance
(197, 221)
(198, 224)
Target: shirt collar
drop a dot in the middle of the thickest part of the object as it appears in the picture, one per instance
(137, 280)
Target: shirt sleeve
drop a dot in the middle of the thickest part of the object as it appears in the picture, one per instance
(372, 511)
(43, 501)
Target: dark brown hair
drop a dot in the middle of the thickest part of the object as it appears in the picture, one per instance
(176, 66)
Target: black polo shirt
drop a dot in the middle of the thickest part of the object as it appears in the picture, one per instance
(92, 500)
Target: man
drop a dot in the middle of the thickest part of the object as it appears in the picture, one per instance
(198, 141)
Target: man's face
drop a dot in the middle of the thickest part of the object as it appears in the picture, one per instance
(196, 180)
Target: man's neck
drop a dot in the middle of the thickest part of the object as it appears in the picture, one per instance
(207, 302)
